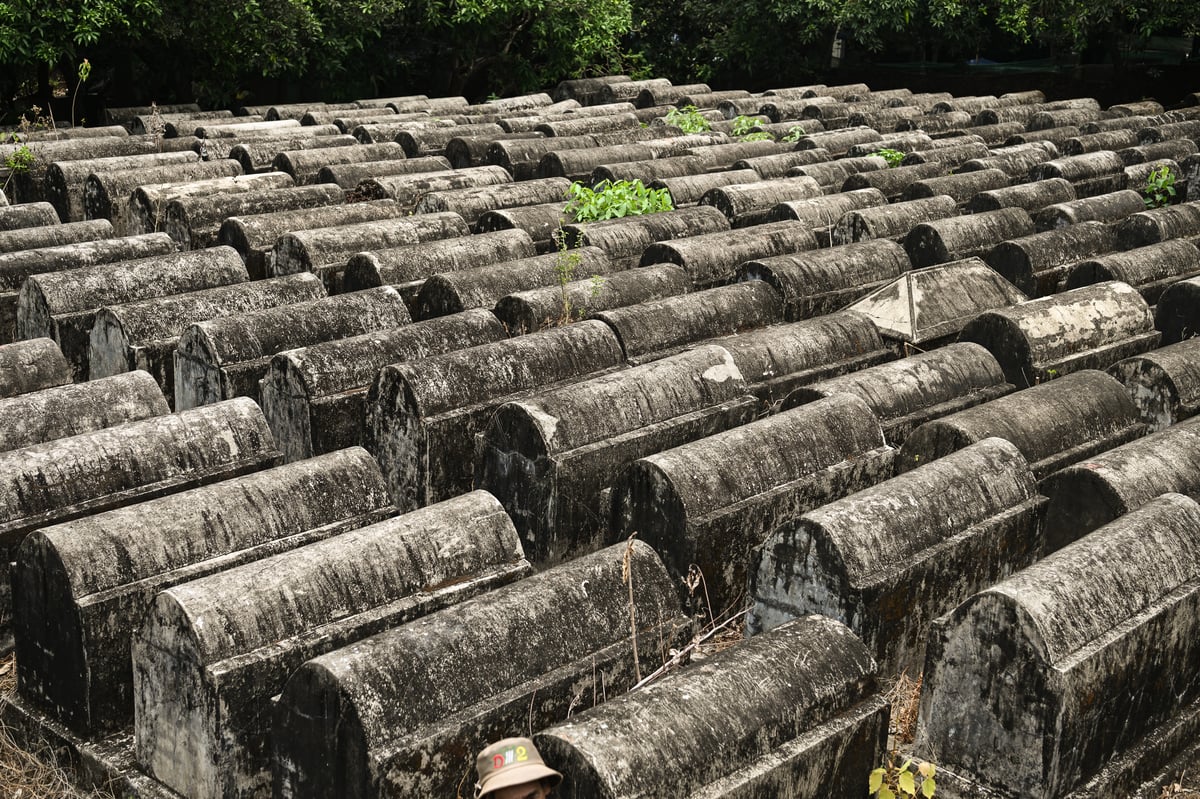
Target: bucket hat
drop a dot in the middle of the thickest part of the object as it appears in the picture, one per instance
(509, 762)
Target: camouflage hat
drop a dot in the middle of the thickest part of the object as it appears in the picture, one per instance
(513, 761)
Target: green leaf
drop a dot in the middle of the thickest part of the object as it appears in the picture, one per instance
(906, 783)
(876, 781)
(886, 793)
(927, 787)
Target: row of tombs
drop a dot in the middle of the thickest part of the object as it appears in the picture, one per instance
(236, 599)
(293, 632)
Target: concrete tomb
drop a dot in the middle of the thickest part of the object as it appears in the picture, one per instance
(706, 504)
(206, 662)
(1085, 328)
(314, 397)
(63, 305)
(1054, 424)
(226, 357)
(423, 416)
(906, 393)
(888, 560)
(403, 713)
(1014, 674)
(793, 714)
(83, 586)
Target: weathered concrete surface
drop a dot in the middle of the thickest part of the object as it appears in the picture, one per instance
(16, 266)
(826, 280)
(892, 221)
(1159, 224)
(708, 503)
(82, 587)
(70, 410)
(1163, 383)
(407, 267)
(206, 662)
(145, 333)
(895, 181)
(256, 153)
(711, 259)
(1013, 674)
(540, 221)
(254, 235)
(746, 204)
(1101, 208)
(1032, 197)
(482, 286)
(928, 307)
(31, 238)
(962, 186)
(1085, 328)
(419, 701)
(1054, 424)
(822, 213)
(472, 202)
(958, 237)
(833, 174)
(794, 714)
(195, 222)
(628, 237)
(1110, 484)
(314, 397)
(550, 458)
(72, 477)
(777, 165)
(223, 358)
(688, 189)
(32, 365)
(63, 305)
(1177, 314)
(665, 325)
(909, 392)
(38, 214)
(62, 184)
(422, 417)
(1151, 269)
(304, 165)
(950, 155)
(407, 190)
(649, 170)
(891, 558)
(546, 306)
(106, 193)
(327, 251)
(348, 176)
(148, 203)
(774, 360)
(1037, 263)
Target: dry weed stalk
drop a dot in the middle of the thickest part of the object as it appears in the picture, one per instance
(905, 698)
(39, 772)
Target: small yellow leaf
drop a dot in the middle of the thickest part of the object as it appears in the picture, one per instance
(907, 784)
(927, 787)
(876, 781)
(926, 769)
(886, 793)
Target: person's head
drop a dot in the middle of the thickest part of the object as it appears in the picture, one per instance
(513, 769)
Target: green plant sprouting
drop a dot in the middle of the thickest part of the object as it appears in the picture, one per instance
(893, 157)
(613, 200)
(688, 119)
(85, 72)
(761, 135)
(743, 125)
(794, 133)
(892, 781)
(1160, 187)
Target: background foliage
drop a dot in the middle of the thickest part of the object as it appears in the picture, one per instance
(225, 52)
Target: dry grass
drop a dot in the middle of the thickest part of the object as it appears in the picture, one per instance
(36, 773)
(904, 696)
(1181, 789)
